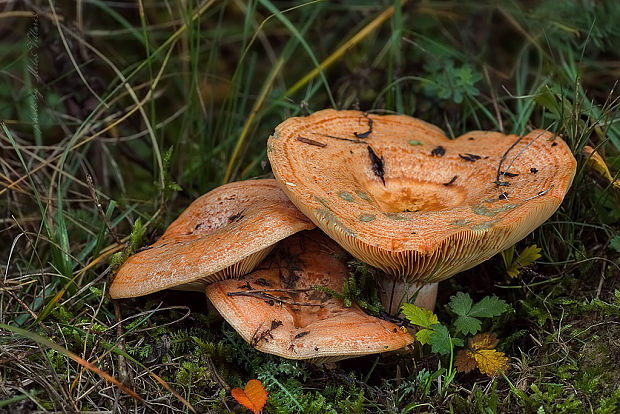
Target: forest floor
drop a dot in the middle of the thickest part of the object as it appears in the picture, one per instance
(116, 115)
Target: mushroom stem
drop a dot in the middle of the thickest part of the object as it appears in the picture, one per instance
(394, 293)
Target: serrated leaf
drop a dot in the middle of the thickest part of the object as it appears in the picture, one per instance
(440, 339)
(423, 335)
(488, 307)
(467, 325)
(464, 361)
(461, 303)
(467, 321)
(485, 340)
(527, 256)
(419, 316)
(482, 354)
(490, 361)
(513, 270)
(615, 243)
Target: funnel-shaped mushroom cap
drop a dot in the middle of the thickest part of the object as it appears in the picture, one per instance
(276, 310)
(223, 234)
(398, 194)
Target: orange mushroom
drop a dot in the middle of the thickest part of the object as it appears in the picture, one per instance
(277, 311)
(396, 193)
(223, 234)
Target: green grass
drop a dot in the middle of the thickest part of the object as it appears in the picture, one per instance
(143, 112)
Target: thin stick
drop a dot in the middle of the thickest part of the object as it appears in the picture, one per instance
(540, 193)
(281, 290)
(500, 174)
(267, 296)
(356, 141)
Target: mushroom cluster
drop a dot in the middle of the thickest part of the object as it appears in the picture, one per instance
(391, 190)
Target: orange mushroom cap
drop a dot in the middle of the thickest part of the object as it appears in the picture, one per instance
(276, 310)
(223, 234)
(398, 194)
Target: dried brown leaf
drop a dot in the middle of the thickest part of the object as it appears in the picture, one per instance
(465, 361)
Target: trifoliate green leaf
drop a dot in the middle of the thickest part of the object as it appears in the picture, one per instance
(461, 303)
(488, 307)
(467, 325)
(468, 314)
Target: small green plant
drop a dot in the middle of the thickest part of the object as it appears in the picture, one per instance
(480, 352)
(135, 242)
(169, 185)
(467, 320)
(469, 314)
(360, 288)
(514, 264)
(448, 82)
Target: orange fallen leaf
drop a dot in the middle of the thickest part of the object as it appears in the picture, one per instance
(253, 397)
(481, 354)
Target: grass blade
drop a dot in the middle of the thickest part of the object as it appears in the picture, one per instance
(44, 341)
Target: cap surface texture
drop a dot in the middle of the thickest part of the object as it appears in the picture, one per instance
(396, 193)
(222, 234)
(276, 310)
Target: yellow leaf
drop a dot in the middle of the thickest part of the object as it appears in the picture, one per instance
(527, 256)
(596, 162)
(484, 340)
(482, 353)
(253, 397)
(513, 270)
(490, 361)
(424, 335)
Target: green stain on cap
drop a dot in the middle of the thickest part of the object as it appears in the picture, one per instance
(345, 195)
(367, 217)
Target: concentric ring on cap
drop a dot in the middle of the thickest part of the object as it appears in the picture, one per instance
(398, 194)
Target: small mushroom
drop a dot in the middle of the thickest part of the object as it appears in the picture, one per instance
(277, 311)
(223, 234)
(418, 216)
